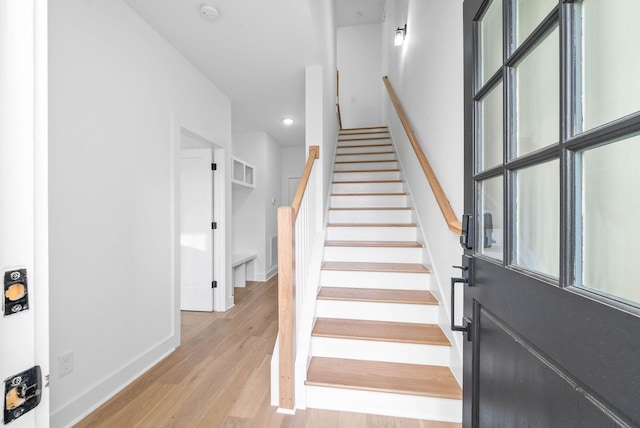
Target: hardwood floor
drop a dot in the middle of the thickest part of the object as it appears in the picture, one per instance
(220, 377)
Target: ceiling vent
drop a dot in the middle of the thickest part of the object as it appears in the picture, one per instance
(208, 11)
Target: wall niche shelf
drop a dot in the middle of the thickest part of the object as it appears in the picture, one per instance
(243, 173)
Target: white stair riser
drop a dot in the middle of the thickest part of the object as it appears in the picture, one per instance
(373, 254)
(339, 201)
(375, 187)
(364, 279)
(377, 311)
(363, 233)
(384, 403)
(357, 140)
(359, 166)
(365, 157)
(370, 216)
(376, 147)
(374, 350)
(366, 175)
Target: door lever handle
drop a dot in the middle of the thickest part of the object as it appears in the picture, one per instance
(466, 327)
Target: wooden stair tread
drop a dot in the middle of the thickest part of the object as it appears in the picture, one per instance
(366, 161)
(384, 331)
(371, 194)
(364, 139)
(358, 146)
(365, 153)
(376, 267)
(366, 181)
(370, 208)
(429, 381)
(390, 244)
(365, 170)
(414, 297)
(371, 225)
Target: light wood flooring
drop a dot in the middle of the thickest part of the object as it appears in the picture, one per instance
(220, 377)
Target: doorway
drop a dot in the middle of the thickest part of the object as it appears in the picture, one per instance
(200, 206)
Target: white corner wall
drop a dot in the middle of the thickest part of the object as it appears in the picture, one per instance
(427, 74)
(359, 60)
(115, 88)
(254, 209)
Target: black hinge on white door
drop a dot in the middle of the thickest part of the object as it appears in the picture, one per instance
(214, 225)
(214, 284)
(214, 167)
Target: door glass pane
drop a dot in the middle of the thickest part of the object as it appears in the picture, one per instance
(610, 63)
(491, 217)
(529, 14)
(609, 214)
(537, 234)
(491, 133)
(538, 97)
(490, 41)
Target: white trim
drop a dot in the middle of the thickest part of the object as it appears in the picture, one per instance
(223, 297)
(86, 402)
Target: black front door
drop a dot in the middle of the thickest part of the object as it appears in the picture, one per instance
(552, 181)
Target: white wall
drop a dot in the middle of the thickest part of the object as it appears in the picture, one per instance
(254, 213)
(359, 60)
(427, 74)
(115, 86)
(293, 159)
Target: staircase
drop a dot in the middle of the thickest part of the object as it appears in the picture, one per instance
(376, 346)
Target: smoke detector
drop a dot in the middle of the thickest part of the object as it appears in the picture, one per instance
(208, 11)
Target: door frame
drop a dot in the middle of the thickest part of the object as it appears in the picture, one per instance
(223, 297)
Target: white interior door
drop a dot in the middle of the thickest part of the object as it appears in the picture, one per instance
(196, 232)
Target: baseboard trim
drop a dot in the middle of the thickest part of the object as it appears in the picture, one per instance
(266, 276)
(88, 401)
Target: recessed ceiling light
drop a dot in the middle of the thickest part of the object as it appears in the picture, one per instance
(287, 121)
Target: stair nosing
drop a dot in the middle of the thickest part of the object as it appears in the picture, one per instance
(376, 295)
(418, 268)
(429, 377)
(374, 244)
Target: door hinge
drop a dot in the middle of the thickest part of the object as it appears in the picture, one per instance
(214, 225)
(214, 167)
(214, 284)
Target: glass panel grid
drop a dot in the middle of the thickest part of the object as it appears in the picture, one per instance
(537, 97)
(528, 15)
(491, 138)
(537, 218)
(606, 80)
(490, 41)
(607, 214)
(491, 217)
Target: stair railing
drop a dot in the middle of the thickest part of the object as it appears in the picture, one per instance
(296, 229)
(443, 202)
(338, 113)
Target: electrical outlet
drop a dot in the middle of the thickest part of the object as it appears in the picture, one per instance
(65, 364)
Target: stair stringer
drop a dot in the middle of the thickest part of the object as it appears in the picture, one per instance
(436, 287)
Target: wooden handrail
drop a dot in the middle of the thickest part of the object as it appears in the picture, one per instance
(445, 207)
(287, 287)
(314, 153)
(338, 100)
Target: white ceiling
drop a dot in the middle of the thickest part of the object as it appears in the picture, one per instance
(255, 51)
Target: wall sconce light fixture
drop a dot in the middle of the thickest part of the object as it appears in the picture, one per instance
(401, 33)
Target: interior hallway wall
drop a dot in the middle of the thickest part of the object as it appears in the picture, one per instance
(427, 75)
(255, 209)
(359, 60)
(115, 86)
